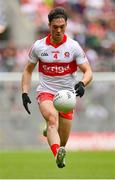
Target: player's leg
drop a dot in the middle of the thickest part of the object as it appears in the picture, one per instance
(65, 122)
(51, 116)
(64, 130)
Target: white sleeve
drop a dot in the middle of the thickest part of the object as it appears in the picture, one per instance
(80, 55)
(33, 57)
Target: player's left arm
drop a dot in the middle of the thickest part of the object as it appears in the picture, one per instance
(84, 66)
(87, 77)
(87, 73)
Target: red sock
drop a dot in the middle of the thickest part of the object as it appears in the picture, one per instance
(54, 148)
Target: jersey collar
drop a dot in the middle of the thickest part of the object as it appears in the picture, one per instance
(48, 42)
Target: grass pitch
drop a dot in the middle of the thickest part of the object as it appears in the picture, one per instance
(41, 165)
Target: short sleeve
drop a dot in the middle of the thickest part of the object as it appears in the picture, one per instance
(80, 55)
(33, 57)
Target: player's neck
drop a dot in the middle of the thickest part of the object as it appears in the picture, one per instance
(55, 41)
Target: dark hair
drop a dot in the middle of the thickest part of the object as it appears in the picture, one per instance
(57, 12)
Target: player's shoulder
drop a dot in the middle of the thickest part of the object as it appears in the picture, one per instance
(72, 42)
(74, 45)
(39, 42)
(37, 46)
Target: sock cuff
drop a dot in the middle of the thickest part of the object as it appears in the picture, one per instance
(54, 148)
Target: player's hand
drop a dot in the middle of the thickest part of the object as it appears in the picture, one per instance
(26, 100)
(80, 89)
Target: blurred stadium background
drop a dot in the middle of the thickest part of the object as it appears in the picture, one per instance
(92, 24)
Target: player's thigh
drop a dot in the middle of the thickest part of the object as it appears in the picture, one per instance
(47, 109)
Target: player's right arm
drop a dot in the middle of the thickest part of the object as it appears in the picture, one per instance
(25, 83)
(26, 76)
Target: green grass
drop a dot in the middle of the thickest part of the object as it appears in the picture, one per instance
(41, 165)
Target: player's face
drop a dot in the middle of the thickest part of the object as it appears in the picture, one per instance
(57, 29)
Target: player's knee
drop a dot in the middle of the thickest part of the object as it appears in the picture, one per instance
(52, 121)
